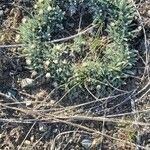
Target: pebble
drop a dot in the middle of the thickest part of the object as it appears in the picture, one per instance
(42, 127)
(27, 142)
(1, 13)
(27, 82)
(32, 138)
(28, 103)
(86, 143)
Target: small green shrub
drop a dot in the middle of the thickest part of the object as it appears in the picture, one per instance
(103, 56)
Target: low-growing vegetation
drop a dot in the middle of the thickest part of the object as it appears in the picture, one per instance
(103, 56)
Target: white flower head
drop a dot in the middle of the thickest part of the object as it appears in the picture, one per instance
(47, 62)
(24, 20)
(33, 46)
(59, 70)
(41, 11)
(40, 1)
(58, 47)
(55, 61)
(35, 6)
(48, 75)
(28, 61)
(49, 8)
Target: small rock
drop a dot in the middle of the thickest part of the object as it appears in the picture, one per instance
(1, 13)
(86, 143)
(28, 103)
(27, 82)
(27, 142)
(32, 138)
(42, 127)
